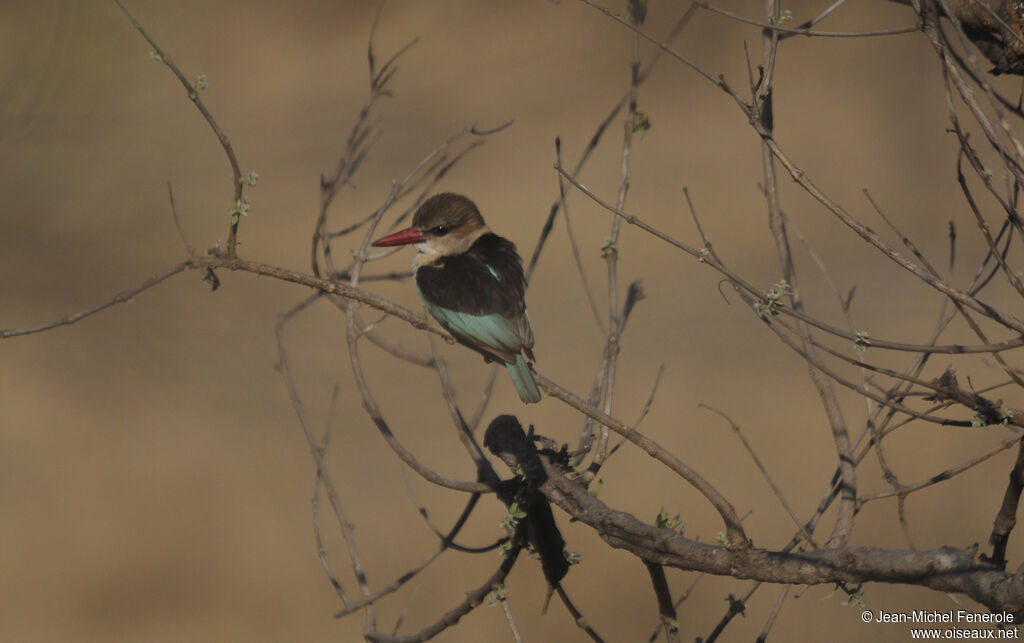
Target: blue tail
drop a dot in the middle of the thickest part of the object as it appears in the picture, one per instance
(523, 380)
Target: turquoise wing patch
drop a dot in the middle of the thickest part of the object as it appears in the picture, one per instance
(493, 331)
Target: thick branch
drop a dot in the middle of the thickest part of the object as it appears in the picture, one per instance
(946, 569)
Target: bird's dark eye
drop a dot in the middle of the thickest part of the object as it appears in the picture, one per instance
(439, 230)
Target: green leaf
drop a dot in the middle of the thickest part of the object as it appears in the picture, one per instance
(608, 249)
(241, 208)
(641, 123)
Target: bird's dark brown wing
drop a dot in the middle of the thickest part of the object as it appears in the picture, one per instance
(487, 279)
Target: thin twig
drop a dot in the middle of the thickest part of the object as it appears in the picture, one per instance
(602, 127)
(509, 618)
(317, 532)
(770, 621)
(764, 472)
(177, 222)
(473, 599)
(763, 97)
(805, 31)
(318, 457)
(574, 246)
(610, 250)
(123, 297)
(708, 259)
(225, 143)
(733, 526)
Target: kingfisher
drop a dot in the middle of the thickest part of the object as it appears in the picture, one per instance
(471, 280)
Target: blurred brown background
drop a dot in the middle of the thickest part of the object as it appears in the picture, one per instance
(154, 482)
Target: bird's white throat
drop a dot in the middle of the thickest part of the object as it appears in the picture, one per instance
(430, 250)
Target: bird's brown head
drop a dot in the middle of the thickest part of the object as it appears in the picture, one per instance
(445, 224)
(447, 213)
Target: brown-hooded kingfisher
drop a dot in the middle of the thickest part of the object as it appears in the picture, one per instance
(471, 281)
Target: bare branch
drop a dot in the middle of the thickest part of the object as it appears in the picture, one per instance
(805, 31)
(123, 297)
(734, 529)
(193, 95)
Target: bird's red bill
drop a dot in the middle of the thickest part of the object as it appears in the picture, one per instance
(402, 238)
